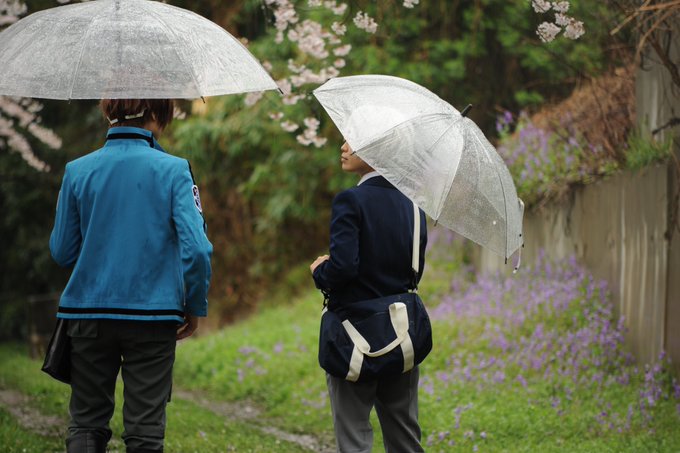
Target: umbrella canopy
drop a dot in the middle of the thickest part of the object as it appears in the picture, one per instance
(434, 155)
(124, 49)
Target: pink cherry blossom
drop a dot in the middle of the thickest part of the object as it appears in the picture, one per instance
(364, 22)
(338, 29)
(547, 31)
(337, 9)
(10, 10)
(342, 50)
(310, 37)
(19, 116)
(289, 126)
(252, 98)
(541, 6)
(561, 7)
(574, 30)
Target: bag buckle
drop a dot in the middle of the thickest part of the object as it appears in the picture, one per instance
(326, 299)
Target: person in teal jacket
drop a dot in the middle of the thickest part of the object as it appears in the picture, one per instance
(129, 221)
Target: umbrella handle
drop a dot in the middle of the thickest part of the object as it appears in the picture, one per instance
(519, 260)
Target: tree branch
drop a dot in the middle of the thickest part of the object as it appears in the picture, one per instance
(675, 121)
(666, 60)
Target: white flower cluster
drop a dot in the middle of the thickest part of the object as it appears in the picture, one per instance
(309, 135)
(289, 126)
(338, 10)
(308, 76)
(10, 137)
(22, 111)
(10, 10)
(253, 97)
(284, 15)
(311, 38)
(324, 55)
(339, 29)
(342, 50)
(276, 116)
(365, 22)
(548, 31)
(20, 116)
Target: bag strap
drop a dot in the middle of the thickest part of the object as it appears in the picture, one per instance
(415, 257)
(399, 319)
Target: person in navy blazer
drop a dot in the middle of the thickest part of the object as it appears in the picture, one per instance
(371, 240)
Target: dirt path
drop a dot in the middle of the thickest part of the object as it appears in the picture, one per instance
(18, 405)
(246, 411)
(30, 418)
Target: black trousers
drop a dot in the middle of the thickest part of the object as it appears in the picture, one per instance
(144, 352)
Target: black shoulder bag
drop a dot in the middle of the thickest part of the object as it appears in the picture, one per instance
(58, 357)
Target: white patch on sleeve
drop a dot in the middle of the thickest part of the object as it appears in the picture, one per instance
(197, 198)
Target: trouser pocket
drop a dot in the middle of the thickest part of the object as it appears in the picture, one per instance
(82, 328)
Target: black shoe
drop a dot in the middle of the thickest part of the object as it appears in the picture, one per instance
(86, 443)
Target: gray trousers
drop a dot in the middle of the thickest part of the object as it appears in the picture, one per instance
(145, 351)
(396, 403)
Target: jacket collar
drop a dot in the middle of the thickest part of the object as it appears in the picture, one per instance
(119, 135)
(371, 174)
(378, 181)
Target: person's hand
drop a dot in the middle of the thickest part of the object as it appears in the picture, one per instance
(188, 328)
(318, 261)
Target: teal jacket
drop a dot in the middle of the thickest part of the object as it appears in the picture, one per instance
(129, 220)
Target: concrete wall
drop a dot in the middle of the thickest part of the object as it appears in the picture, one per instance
(616, 229)
(673, 288)
(620, 228)
(657, 102)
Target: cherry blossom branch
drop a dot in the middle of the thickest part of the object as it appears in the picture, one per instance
(322, 49)
(548, 31)
(23, 111)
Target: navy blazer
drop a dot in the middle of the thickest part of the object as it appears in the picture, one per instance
(371, 244)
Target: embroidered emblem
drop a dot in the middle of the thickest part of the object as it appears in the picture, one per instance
(197, 199)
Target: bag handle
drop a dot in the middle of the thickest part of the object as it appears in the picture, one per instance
(415, 257)
(399, 318)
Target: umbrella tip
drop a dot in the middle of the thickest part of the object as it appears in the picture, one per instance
(466, 110)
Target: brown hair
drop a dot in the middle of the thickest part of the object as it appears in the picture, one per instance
(160, 110)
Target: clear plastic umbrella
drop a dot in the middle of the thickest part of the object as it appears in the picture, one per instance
(434, 155)
(124, 49)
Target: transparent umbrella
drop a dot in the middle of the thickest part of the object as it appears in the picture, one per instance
(124, 49)
(432, 153)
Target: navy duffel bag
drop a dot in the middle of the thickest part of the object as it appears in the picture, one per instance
(374, 338)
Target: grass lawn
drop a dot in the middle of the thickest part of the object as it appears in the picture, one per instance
(530, 363)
